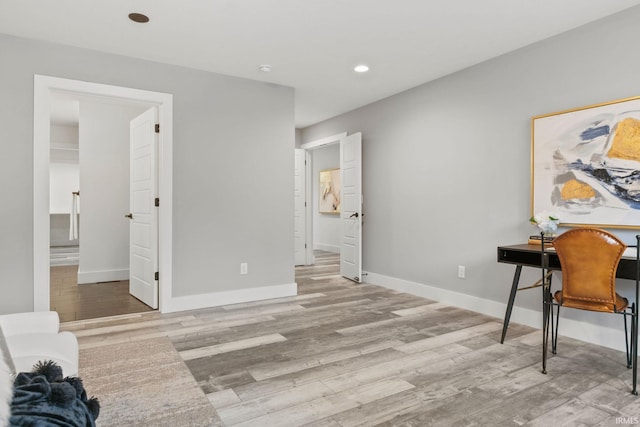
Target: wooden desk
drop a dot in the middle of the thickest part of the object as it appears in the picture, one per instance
(529, 256)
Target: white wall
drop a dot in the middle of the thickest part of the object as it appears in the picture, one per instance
(104, 183)
(64, 143)
(233, 138)
(64, 179)
(446, 174)
(326, 227)
(64, 167)
(64, 135)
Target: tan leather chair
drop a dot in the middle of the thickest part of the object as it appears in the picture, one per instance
(589, 259)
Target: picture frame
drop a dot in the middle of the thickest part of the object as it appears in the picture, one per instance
(585, 165)
(329, 191)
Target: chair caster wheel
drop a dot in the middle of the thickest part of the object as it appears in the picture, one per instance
(544, 371)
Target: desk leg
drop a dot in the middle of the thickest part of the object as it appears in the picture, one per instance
(512, 297)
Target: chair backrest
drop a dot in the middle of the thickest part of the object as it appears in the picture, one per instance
(5, 355)
(7, 372)
(589, 259)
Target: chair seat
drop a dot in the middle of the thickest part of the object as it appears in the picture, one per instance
(621, 303)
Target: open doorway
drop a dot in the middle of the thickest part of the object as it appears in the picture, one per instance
(333, 220)
(306, 195)
(89, 149)
(44, 90)
(325, 199)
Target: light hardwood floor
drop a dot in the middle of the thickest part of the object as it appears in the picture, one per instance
(346, 354)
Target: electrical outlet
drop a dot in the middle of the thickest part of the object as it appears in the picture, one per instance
(461, 272)
(244, 268)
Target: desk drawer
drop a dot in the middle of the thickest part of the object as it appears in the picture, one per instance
(518, 257)
(527, 257)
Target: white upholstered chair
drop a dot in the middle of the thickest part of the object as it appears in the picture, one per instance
(34, 337)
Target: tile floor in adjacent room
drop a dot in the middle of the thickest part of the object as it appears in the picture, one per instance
(89, 301)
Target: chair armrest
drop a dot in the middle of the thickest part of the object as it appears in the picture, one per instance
(30, 323)
(28, 349)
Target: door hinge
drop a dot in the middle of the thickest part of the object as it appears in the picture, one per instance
(157, 127)
(157, 275)
(157, 201)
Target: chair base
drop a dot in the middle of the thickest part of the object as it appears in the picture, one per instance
(548, 323)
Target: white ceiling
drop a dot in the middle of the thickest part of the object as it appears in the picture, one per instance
(312, 45)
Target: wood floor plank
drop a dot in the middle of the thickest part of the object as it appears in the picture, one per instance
(130, 326)
(256, 408)
(223, 398)
(300, 364)
(519, 409)
(386, 369)
(231, 346)
(628, 412)
(380, 411)
(326, 406)
(321, 373)
(448, 338)
(574, 412)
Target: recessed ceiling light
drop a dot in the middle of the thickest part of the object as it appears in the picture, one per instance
(361, 68)
(139, 18)
(265, 68)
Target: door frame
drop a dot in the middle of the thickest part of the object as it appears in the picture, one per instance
(43, 86)
(310, 146)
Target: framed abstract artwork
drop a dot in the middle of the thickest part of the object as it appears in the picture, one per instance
(329, 200)
(585, 164)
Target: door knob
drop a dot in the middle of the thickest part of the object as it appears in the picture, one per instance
(129, 215)
(354, 214)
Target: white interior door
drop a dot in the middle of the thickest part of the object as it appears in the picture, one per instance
(300, 215)
(143, 189)
(351, 207)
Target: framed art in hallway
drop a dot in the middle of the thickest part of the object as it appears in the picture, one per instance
(585, 164)
(329, 191)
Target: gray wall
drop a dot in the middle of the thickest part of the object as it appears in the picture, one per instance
(232, 170)
(104, 190)
(59, 230)
(446, 174)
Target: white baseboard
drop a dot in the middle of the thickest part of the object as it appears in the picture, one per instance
(588, 332)
(215, 299)
(325, 247)
(102, 276)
